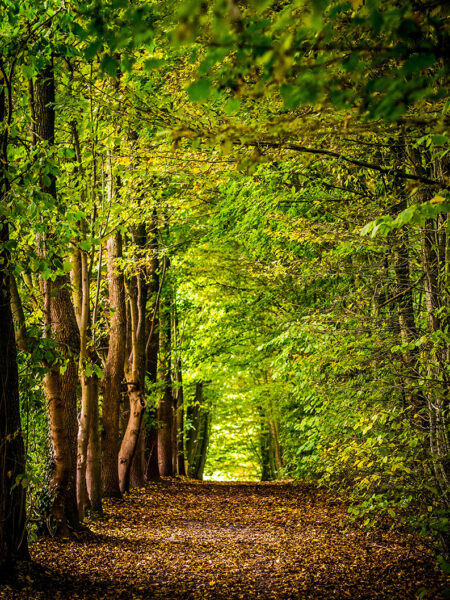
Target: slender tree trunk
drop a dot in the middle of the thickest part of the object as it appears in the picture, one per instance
(407, 322)
(435, 271)
(266, 447)
(165, 405)
(18, 315)
(13, 537)
(434, 259)
(202, 446)
(130, 439)
(137, 475)
(85, 416)
(178, 422)
(60, 322)
(88, 458)
(135, 375)
(113, 374)
(274, 429)
(197, 436)
(404, 290)
(151, 351)
(275, 433)
(94, 458)
(115, 361)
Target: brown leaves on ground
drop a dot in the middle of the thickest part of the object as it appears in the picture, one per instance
(184, 540)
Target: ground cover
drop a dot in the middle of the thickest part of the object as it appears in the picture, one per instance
(185, 540)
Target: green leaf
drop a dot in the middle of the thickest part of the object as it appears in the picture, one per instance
(153, 63)
(232, 106)
(92, 49)
(109, 65)
(85, 245)
(418, 62)
(200, 90)
(439, 140)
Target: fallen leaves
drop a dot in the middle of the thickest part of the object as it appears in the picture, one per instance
(184, 540)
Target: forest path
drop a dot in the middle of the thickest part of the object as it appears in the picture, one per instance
(184, 540)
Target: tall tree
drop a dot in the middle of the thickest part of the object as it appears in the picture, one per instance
(165, 403)
(152, 346)
(178, 400)
(89, 484)
(114, 366)
(13, 536)
(135, 372)
(59, 322)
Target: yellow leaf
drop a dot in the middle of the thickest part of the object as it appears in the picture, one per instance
(437, 200)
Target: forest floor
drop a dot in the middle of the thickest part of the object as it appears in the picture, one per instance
(184, 540)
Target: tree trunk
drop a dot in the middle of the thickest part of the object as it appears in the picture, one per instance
(434, 264)
(435, 271)
(130, 439)
(18, 315)
(13, 537)
(266, 447)
(113, 370)
(197, 436)
(135, 375)
(151, 351)
(165, 405)
(85, 416)
(60, 322)
(87, 452)
(178, 422)
(94, 459)
(274, 429)
(137, 475)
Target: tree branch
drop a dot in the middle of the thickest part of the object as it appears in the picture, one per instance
(353, 161)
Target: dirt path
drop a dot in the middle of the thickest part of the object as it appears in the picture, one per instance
(178, 541)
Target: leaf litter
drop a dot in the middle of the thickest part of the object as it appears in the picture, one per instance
(185, 540)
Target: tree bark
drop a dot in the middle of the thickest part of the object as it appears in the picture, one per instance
(94, 459)
(113, 369)
(88, 442)
(135, 376)
(85, 416)
(179, 466)
(178, 422)
(434, 265)
(266, 447)
(151, 351)
(18, 315)
(165, 404)
(274, 429)
(60, 322)
(434, 244)
(197, 436)
(13, 537)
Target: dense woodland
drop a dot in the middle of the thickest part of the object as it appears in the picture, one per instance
(224, 253)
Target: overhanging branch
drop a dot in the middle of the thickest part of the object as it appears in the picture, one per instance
(354, 161)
